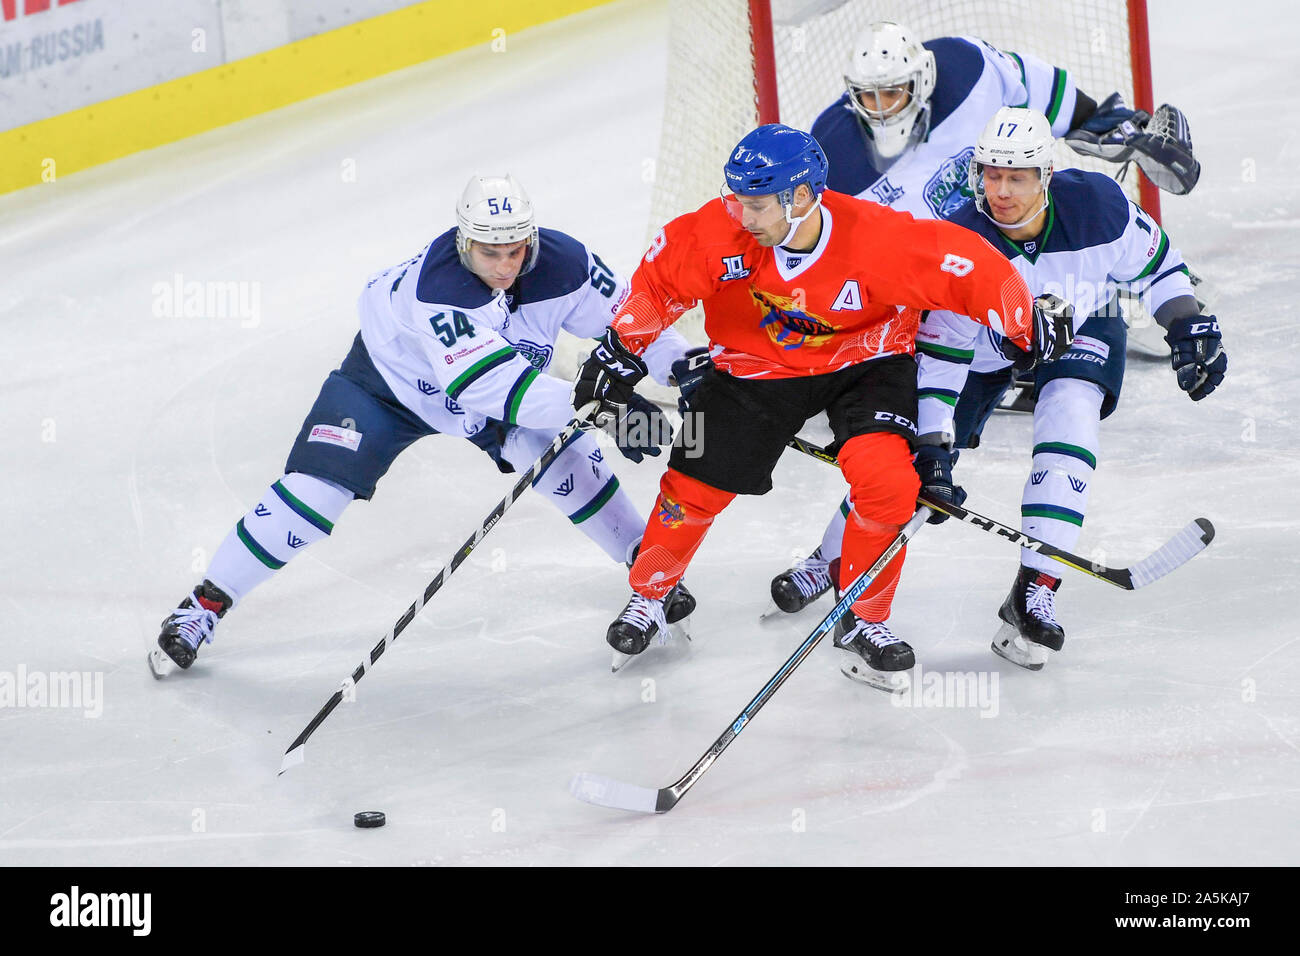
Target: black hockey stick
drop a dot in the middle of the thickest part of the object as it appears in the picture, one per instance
(606, 792)
(1177, 551)
(295, 755)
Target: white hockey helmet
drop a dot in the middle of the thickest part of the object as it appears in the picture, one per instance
(886, 57)
(1016, 138)
(497, 211)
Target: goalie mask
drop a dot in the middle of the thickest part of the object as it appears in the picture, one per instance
(1015, 138)
(495, 210)
(895, 76)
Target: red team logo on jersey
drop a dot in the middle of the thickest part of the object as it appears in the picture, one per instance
(788, 325)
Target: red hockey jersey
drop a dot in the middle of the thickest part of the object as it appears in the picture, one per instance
(857, 296)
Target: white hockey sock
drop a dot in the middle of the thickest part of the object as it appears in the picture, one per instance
(294, 512)
(1067, 421)
(582, 486)
(833, 537)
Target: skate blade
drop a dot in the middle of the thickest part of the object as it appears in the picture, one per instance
(891, 682)
(160, 665)
(679, 631)
(1009, 645)
(771, 612)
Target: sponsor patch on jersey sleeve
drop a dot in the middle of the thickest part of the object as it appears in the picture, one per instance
(1086, 343)
(335, 435)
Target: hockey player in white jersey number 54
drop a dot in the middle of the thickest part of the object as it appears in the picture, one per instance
(1076, 235)
(453, 341)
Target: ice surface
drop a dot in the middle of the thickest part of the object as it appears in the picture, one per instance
(1166, 732)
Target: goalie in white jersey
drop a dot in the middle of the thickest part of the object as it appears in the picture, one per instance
(454, 341)
(903, 133)
(1076, 235)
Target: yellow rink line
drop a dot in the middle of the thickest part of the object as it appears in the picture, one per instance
(191, 104)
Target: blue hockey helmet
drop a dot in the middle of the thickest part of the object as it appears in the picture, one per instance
(775, 159)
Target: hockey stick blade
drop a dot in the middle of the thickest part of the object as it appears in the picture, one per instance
(1173, 554)
(1177, 551)
(606, 792)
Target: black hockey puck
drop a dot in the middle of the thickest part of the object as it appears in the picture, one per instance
(368, 819)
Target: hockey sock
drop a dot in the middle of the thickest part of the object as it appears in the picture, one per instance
(833, 536)
(883, 486)
(1067, 426)
(580, 483)
(294, 512)
(683, 514)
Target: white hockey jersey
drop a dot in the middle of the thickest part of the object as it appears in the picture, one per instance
(1094, 240)
(456, 352)
(973, 80)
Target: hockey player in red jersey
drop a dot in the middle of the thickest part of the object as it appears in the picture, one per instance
(812, 300)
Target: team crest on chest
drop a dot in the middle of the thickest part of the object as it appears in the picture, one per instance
(733, 268)
(788, 323)
(948, 189)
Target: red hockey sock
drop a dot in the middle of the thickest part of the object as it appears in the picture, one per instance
(883, 486)
(682, 515)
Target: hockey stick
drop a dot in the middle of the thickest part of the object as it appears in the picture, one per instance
(295, 754)
(1177, 551)
(606, 792)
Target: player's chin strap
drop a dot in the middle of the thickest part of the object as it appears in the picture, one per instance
(794, 222)
(981, 200)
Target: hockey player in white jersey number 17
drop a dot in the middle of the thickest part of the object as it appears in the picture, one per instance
(903, 134)
(1074, 234)
(453, 341)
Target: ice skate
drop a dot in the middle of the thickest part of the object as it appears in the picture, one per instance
(796, 588)
(874, 656)
(190, 625)
(1029, 628)
(641, 621)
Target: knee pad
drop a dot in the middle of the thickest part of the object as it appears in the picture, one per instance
(883, 484)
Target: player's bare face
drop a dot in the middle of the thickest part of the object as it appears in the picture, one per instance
(762, 217)
(498, 265)
(1012, 194)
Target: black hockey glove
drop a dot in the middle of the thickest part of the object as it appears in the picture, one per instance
(642, 430)
(687, 372)
(1196, 353)
(608, 376)
(934, 467)
(1053, 333)
(1053, 327)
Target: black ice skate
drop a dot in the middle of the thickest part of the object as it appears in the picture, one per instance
(643, 620)
(811, 577)
(874, 656)
(680, 603)
(1029, 626)
(189, 626)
